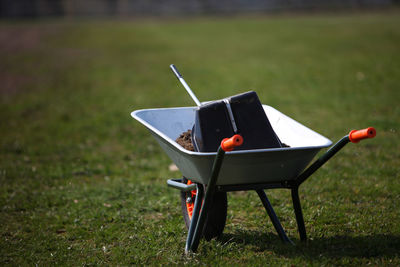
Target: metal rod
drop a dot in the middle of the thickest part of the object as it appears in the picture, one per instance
(207, 199)
(180, 78)
(176, 183)
(319, 162)
(195, 216)
(299, 214)
(273, 217)
(230, 113)
(246, 187)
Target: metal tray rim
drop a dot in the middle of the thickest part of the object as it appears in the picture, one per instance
(134, 114)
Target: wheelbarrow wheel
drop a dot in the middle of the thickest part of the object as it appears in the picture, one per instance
(215, 222)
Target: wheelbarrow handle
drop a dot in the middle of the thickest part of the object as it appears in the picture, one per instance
(356, 136)
(228, 144)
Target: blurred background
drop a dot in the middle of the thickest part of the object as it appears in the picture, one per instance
(38, 8)
(83, 183)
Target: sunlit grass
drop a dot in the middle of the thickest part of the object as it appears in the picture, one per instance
(82, 183)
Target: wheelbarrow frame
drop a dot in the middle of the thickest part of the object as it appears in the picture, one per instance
(259, 169)
(202, 206)
(241, 166)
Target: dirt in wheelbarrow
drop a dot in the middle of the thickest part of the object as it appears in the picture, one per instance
(185, 140)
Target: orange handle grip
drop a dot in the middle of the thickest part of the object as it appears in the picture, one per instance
(228, 144)
(356, 136)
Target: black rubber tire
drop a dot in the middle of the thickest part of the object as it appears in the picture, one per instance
(216, 219)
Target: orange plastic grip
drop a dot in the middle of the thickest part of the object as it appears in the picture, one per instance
(356, 136)
(228, 144)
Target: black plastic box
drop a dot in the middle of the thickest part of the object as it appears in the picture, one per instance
(213, 123)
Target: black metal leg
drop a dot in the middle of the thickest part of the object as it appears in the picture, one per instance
(195, 216)
(273, 217)
(209, 195)
(299, 215)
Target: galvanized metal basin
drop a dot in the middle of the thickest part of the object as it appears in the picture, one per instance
(239, 167)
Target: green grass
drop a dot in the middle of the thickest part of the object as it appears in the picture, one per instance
(82, 183)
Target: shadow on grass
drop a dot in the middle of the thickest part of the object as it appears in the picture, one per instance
(332, 247)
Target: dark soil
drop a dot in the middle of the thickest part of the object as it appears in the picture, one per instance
(285, 145)
(185, 140)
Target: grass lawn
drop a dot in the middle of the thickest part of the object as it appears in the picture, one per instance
(82, 183)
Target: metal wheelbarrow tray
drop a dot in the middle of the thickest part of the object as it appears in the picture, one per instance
(240, 167)
(256, 169)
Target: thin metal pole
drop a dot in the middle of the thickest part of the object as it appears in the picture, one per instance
(195, 216)
(273, 217)
(299, 214)
(180, 78)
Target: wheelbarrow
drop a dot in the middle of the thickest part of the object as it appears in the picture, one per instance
(207, 176)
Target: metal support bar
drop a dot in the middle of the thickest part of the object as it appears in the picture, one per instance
(246, 187)
(273, 217)
(207, 199)
(183, 82)
(299, 215)
(177, 184)
(195, 216)
(321, 161)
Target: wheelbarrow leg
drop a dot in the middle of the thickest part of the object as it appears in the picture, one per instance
(273, 217)
(226, 145)
(299, 215)
(195, 216)
(209, 195)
